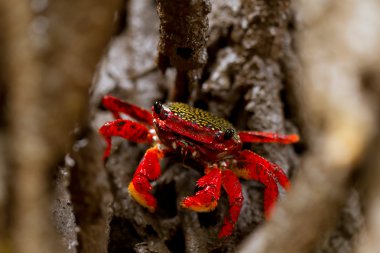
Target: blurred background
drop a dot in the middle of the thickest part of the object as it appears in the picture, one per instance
(305, 67)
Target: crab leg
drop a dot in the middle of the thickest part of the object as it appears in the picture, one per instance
(206, 199)
(117, 106)
(148, 170)
(253, 136)
(258, 168)
(127, 129)
(232, 187)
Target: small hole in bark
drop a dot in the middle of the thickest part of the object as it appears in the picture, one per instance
(184, 52)
(177, 242)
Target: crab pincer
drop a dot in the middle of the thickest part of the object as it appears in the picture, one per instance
(205, 200)
(148, 170)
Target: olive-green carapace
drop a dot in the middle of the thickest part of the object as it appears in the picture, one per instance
(200, 117)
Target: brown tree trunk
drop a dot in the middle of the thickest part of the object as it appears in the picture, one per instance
(49, 53)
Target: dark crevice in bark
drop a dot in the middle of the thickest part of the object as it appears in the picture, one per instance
(167, 197)
(177, 242)
(208, 220)
(180, 91)
(123, 236)
(212, 52)
(121, 19)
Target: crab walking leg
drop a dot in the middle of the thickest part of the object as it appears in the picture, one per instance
(253, 136)
(127, 129)
(206, 199)
(232, 186)
(258, 168)
(117, 106)
(148, 170)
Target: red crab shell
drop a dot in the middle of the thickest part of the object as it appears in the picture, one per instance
(190, 129)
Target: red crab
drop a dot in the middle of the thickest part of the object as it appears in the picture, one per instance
(210, 140)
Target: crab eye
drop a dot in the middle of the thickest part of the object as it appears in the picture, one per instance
(159, 110)
(157, 107)
(228, 134)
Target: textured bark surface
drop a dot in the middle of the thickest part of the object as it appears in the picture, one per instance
(241, 81)
(338, 119)
(306, 67)
(183, 40)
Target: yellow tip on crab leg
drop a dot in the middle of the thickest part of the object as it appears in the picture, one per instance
(140, 198)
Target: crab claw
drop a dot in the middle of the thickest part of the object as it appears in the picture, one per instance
(258, 168)
(141, 193)
(148, 170)
(206, 199)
